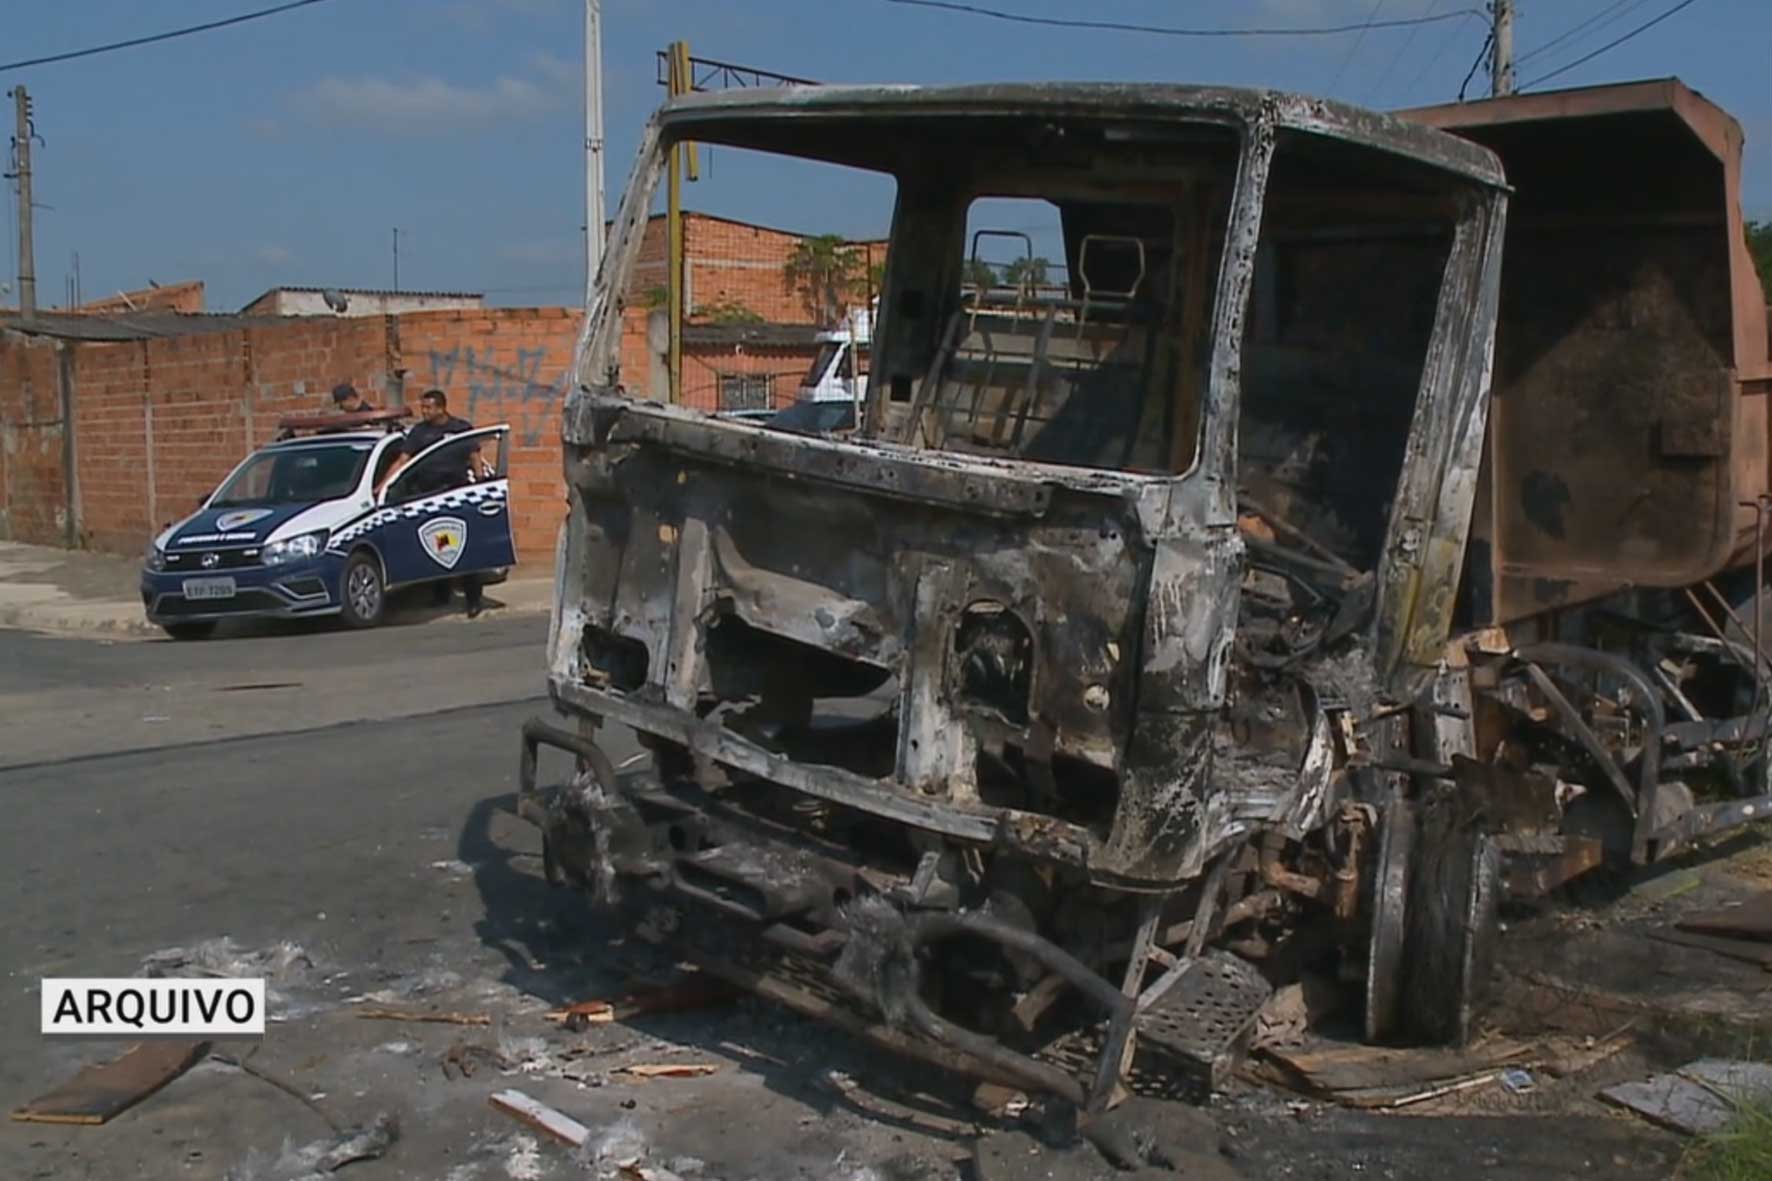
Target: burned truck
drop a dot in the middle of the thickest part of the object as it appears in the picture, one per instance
(1327, 561)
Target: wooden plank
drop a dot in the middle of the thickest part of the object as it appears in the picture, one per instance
(669, 1069)
(1751, 920)
(1345, 1066)
(99, 1093)
(541, 1117)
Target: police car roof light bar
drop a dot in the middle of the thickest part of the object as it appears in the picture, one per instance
(389, 417)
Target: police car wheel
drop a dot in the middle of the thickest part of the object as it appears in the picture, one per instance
(201, 630)
(362, 596)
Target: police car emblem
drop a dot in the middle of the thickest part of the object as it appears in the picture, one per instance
(209, 561)
(235, 520)
(443, 540)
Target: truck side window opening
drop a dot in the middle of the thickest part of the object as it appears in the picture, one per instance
(1352, 255)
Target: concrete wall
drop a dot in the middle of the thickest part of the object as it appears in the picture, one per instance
(284, 302)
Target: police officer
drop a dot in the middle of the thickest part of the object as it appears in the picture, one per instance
(436, 423)
(346, 399)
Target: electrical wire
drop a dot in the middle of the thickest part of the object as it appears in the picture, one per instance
(1488, 43)
(1355, 47)
(1168, 31)
(1604, 17)
(167, 36)
(1445, 44)
(1401, 50)
(1613, 44)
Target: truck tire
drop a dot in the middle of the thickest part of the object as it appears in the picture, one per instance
(361, 592)
(195, 630)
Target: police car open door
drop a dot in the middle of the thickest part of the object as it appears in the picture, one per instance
(448, 512)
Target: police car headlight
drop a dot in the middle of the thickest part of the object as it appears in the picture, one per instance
(155, 558)
(295, 549)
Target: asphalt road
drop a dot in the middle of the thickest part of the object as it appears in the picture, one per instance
(339, 806)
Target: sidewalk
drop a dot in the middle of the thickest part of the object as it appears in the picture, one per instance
(94, 595)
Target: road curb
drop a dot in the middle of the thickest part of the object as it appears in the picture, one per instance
(107, 619)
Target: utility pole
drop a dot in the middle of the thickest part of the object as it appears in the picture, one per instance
(396, 259)
(1501, 62)
(680, 80)
(593, 144)
(27, 257)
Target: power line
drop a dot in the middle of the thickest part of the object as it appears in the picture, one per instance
(1445, 44)
(1613, 44)
(1167, 31)
(1488, 44)
(1355, 47)
(1603, 17)
(1401, 50)
(185, 32)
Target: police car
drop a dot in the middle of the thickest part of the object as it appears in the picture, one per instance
(297, 529)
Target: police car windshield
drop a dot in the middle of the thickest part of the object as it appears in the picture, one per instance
(294, 475)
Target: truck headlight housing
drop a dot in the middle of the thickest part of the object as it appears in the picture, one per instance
(295, 549)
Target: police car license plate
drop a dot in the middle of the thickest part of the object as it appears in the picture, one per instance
(209, 588)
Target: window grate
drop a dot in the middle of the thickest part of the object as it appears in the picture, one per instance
(741, 392)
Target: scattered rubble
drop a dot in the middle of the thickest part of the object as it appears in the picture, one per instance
(694, 992)
(431, 1016)
(319, 1158)
(541, 1117)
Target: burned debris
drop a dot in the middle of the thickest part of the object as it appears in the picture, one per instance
(1141, 650)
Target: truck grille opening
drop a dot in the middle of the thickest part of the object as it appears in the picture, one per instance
(617, 660)
(813, 705)
(995, 655)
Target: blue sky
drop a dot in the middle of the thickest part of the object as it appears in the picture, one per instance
(285, 150)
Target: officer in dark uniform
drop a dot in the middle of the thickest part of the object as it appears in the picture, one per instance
(347, 400)
(435, 424)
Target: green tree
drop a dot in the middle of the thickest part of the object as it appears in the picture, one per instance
(980, 273)
(1759, 242)
(827, 272)
(1027, 272)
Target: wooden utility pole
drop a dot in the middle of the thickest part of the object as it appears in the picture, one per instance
(1501, 62)
(680, 80)
(27, 255)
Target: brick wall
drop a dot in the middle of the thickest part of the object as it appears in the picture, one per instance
(33, 496)
(504, 365)
(728, 263)
(158, 423)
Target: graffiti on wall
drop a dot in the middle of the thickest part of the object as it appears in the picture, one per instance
(508, 388)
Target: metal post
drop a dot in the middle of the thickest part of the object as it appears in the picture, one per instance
(396, 258)
(593, 144)
(1501, 65)
(27, 257)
